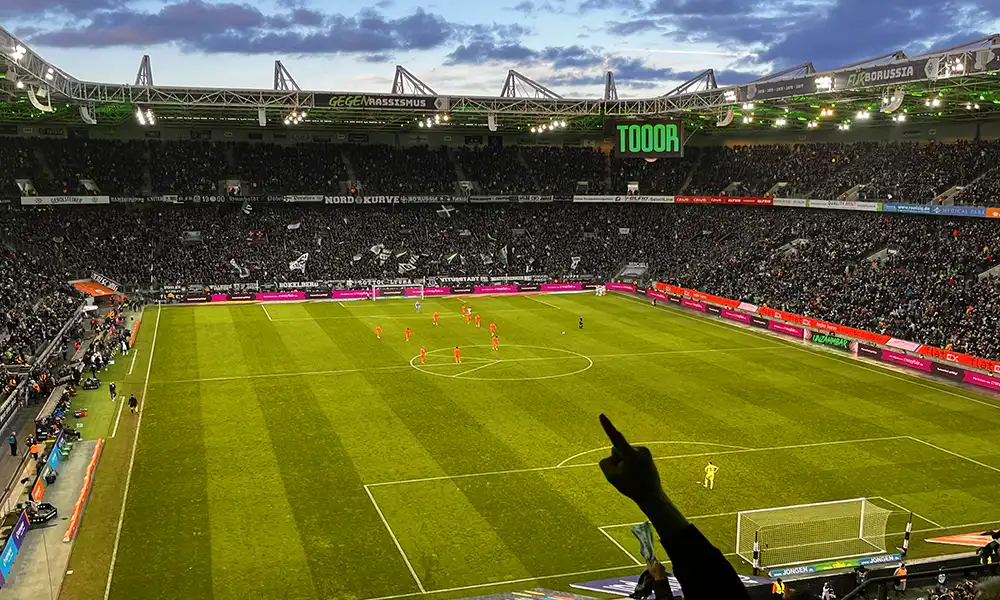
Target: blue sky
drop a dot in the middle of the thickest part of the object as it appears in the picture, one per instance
(467, 46)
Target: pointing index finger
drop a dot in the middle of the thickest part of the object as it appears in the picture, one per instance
(618, 440)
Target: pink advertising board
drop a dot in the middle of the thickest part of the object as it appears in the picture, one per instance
(694, 304)
(620, 287)
(562, 287)
(350, 294)
(271, 296)
(733, 315)
(496, 289)
(905, 360)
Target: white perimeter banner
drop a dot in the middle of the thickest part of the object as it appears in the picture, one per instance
(846, 205)
(628, 199)
(62, 200)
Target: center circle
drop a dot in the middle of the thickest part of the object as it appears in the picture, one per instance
(459, 369)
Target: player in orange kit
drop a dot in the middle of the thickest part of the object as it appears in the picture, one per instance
(458, 355)
(468, 317)
(407, 333)
(477, 321)
(423, 354)
(435, 318)
(496, 342)
(493, 328)
(378, 331)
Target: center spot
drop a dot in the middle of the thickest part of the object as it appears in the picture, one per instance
(511, 363)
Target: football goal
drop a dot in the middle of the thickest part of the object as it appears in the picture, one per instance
(794, 535)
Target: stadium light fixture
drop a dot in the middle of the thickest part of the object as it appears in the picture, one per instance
(971, 106)
(812, 124)
(748, 106)
(844, 126)
(935, 102)
(780, 122)
(534, 130)
(863, 115)
(899, 118)
(748, 119)
(145, 117)
(826, 112)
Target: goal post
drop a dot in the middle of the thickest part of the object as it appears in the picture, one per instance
(393, 291)
(805, 533)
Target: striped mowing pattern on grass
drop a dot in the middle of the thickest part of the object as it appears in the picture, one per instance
(265, 434)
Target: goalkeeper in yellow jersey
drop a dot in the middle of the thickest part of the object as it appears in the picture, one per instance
(710, 472)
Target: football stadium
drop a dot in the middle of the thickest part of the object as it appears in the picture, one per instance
(727, 342)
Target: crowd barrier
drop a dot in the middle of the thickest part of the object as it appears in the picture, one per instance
(853, 205)
(910, 355)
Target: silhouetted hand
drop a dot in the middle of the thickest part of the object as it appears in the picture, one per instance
(631, 469)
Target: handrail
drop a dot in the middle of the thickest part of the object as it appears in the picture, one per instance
(861, 589)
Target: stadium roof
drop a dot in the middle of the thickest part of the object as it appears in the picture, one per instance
(961, 82)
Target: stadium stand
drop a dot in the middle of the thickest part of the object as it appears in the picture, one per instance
(903, 172)
(925, 288)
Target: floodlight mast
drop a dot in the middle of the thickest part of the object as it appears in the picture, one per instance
(405, 83)
(283, 80)
(515, 86)
(144, 77)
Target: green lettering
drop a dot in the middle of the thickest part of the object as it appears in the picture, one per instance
(672, 141)
(623, 138)
(660, 137)
(634, 138)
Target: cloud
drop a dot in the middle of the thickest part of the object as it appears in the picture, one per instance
(596, 5)
(830, 33)
(198, 26)
(18, 9)
(638, 74)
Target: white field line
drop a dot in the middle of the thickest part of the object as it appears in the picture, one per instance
(620, 547)
(690, 443)
(264, 306)
(507, 582)
(473, 369)
(121, 403)
(694, 518)
(395, 541)
(859, 363)
(955, 454)
(131, 460)
(677, 456)
(135, 353)
(549, 304)
(906, 510)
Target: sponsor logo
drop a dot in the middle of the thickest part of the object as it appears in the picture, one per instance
(863, 78)
(878, 560)
(832, 341)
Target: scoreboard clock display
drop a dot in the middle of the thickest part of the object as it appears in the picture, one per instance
(649, 139)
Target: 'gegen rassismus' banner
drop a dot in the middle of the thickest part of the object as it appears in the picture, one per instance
(745, 200)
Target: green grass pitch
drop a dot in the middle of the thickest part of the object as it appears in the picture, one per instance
(285, 452)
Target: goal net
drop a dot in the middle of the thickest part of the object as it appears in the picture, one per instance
(388, 292)
(792, 535)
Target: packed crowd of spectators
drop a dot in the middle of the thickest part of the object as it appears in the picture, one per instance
(314, 168)
(914, 277)
(898, 171)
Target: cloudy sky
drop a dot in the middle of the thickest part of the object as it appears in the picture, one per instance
(467, 46)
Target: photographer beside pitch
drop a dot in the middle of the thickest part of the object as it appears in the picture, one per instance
(703, 572)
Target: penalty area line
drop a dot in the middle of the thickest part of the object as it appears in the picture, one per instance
(267, 313)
